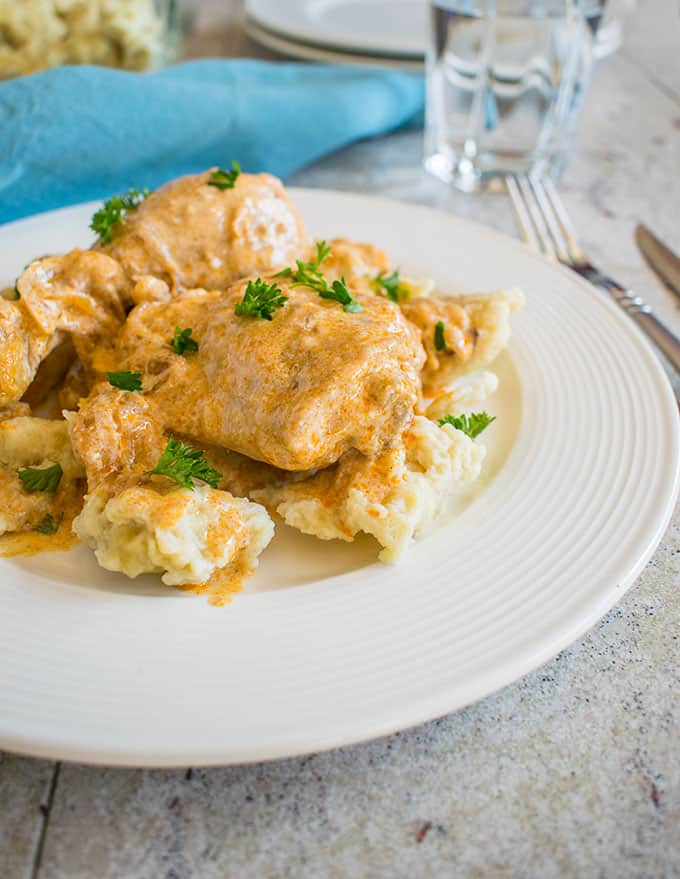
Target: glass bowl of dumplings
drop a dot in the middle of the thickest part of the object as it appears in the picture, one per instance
(127, 34)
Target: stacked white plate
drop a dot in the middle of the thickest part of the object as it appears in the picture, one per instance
(375, 32)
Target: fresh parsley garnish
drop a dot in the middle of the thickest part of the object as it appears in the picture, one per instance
(182, 342)
(471, 425)
(48, 524)
(439, 338)
(112, 212)
(17, 295)
(260, 300)
(323, 251)
(390, 286)
(308, 274)
(339, 292)
(126, 381)
(183, 464)
(222, 179)
(41, 478)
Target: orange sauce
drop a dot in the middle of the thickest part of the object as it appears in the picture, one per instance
(33, 542)
(222, 585)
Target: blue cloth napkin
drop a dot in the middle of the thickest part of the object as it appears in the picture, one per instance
(80, 133)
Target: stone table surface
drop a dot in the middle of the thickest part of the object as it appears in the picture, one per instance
(571, 772)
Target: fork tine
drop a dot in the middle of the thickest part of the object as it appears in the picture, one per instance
(575, 253)
(534, 209)
(551, 219)
(526, 227)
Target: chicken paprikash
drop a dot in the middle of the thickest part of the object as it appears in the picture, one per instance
(216, 369)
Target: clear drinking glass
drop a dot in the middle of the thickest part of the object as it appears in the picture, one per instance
(505, 79)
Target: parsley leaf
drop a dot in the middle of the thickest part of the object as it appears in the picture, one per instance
(183, 464)
(340, 293)
(323, 251)
(471, 425)
(182, 341)
(222, 179)
(112, 213)
(308, 274)
(126, 381)
(390, 285)
(305, 269)
(41, 479)
(48, 524)
(439, 338)
(260, 300)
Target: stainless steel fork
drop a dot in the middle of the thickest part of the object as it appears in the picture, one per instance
(546, 227)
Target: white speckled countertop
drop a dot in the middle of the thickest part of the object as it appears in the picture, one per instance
(573, 771)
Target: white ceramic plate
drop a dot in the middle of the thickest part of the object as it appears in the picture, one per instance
(329, 647)
(372, 27)
(307, 52)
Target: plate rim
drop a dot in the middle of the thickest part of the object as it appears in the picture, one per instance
(254, 12)
(431, 707)
(275, 41)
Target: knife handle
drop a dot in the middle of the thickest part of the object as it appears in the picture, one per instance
(657, 332)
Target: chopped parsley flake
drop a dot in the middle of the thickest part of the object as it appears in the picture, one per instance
(182, 342)
(222, 179)
(308, 274)
(126, 381)
(111, 214)
(439, 338)
(48, 524)
(184, 464)
(471, 425)
(390, 286)
(41, 478)
(260, 300)
(339, 292)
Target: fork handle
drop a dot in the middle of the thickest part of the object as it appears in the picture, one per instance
(636, 308)
(666, 341)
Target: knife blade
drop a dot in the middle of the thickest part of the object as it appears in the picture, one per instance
(659, 258)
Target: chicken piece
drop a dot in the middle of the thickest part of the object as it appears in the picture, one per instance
(296, 392)
(191, 234)
(475, 331)
(23, 346)
(36, 442)
(393, 496)
(80, 294)
(184, 535)
(116, 432)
